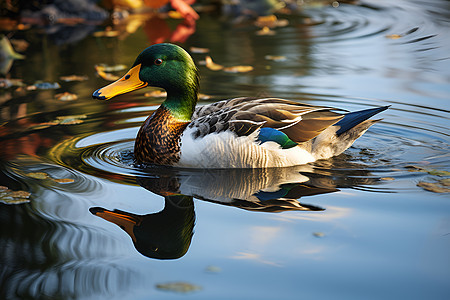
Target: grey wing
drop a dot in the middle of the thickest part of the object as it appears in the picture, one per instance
(300, 122)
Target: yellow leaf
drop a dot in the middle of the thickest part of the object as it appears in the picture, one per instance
(238, 69)
(212, 65)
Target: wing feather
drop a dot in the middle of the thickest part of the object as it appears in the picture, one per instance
(300, 122)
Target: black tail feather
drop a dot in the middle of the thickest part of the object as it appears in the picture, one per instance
(352, 119)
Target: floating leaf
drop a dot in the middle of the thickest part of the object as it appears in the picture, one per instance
(433, 187)
(156, 94)
(238, 69)
(105, 75)
(199, 50)
(212, 65)
(393, 36)
(387, 178)
(70, 78)
(106, 33)
(438, 173)
(178, 287)
(71, 120)
(109, 68)
(213, 269)
(66, 96)
(7, 83)
(63, 180)
(44, 86)
(174, 14)
(265, 31)
(445, 182)
(8, 196)
(38, 175)
(318, 234)
(204, 97)
(271, 21)
(275, 57)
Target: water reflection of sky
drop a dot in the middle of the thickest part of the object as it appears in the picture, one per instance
(372, 233)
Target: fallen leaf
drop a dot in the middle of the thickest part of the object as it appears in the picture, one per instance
(106, 33)
(178, 287)
(265, 31)
(433, 187)
(174, 14)
(199, 50)
(105, 75)
(37, 175)
(213, 269)
(438, 173)
(109, 68)
(7, 83)
(66, 96)
(212, 65)
(70, 78)
(445, 182)
(204, 97)
(156, 94)
(44, 86)
(70, 120)
(238, 69)
(19, 194)
(63, 180)
(275, 57)
(393, 36)
(387, 178)
(8, 196)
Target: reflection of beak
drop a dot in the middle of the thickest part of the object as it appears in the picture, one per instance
(122, 219)
(128, 83)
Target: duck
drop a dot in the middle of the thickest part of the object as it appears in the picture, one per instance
(244, 132)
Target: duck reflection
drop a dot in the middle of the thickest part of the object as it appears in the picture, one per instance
(167, 234)
(163, 235)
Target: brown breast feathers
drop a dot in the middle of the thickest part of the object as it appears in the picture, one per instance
(158, 140)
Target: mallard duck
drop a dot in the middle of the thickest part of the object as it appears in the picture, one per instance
(243, 132)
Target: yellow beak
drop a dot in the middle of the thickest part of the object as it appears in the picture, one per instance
(129, 82)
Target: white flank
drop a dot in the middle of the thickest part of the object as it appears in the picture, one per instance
(226, 150)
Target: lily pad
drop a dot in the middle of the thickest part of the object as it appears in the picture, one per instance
(178, 287)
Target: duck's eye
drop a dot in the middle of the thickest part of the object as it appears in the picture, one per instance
(158, 61)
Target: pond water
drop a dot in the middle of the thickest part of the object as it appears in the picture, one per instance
(371, 223)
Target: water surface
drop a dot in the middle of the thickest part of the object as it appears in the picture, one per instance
(359, 225)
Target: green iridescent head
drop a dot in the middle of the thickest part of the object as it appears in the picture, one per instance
(165, 66)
